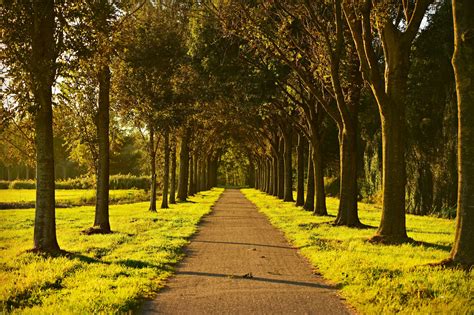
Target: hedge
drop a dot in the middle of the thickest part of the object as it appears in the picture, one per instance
(116, 182)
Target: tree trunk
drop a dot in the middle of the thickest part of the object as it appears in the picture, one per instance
(300, 171)
(268, 175)
(463, 64)
(202, 176)
(320, 200)
(166, 171)
(172, 198)
(152, 156)
(288, 188)
(43, 71)
(347, 214)
(191, 175)
(196, 177)
(184, 166)
(101, 222)
(309, 203)
(281, 170)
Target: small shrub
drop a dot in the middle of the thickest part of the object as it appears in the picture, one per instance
(4, 184)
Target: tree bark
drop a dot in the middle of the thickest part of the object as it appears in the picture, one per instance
(166, 171)
(281, 169)
(152, 157)
(191, 176)
(300, 171)
(347, 214)
(268, 176)
(196, 177)
(309, 203)
(101, 221)
(288, 188)
(43, 72)
(172, 199)
(320, 198)
(184, 166)
(463, 64)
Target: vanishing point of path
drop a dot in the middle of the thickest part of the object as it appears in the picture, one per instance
(238, 263)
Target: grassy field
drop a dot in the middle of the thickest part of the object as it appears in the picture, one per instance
(25, 198)
(377, 279)
(103, 273)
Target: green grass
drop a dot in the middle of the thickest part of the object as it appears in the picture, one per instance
(25, 198)
(377, 279)
(104, 273)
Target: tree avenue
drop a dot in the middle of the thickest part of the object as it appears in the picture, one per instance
(299, 99)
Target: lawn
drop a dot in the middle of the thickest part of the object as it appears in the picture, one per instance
(103, 273)
(25, 198)
(377, 279)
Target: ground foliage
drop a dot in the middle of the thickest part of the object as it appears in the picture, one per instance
(99, 273)
(377, 279)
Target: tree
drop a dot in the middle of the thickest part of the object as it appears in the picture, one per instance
(364, 18)
(463, 64)
(30, 33)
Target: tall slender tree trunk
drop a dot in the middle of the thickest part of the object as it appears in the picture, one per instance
(172, 198)
(281, 169)
(309, 203)
(202, 175)
(300, 171)
(191, 175)
(152, 159)
(288, 188)
(43, 72)
(166, 171)
(320, 200)
(268, 175)
(463, 64)
(184, 166)
(196, 176)
(101, 221)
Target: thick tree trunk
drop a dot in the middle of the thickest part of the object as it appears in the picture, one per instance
(300, 171)
(172, 198)
(101, 221)
(191, 176)
(251, 175)
(348, 214)
(184, 166)
(463, 63)
(152, 157)
(309, 203)
(288, 188)
(166, 171)
(320, 199)
(43, 58)
(392, 227)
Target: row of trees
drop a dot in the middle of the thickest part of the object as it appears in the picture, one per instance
(325, 59)
(199, 79)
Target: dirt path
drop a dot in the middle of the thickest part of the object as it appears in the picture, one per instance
(239, 264)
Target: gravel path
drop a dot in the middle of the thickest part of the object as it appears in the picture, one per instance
(239, 264)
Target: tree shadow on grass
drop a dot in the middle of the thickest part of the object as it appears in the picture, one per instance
(445, 248)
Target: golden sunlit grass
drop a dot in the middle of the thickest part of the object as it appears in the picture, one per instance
(377, 279)
(102, 273)
(25, 198)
